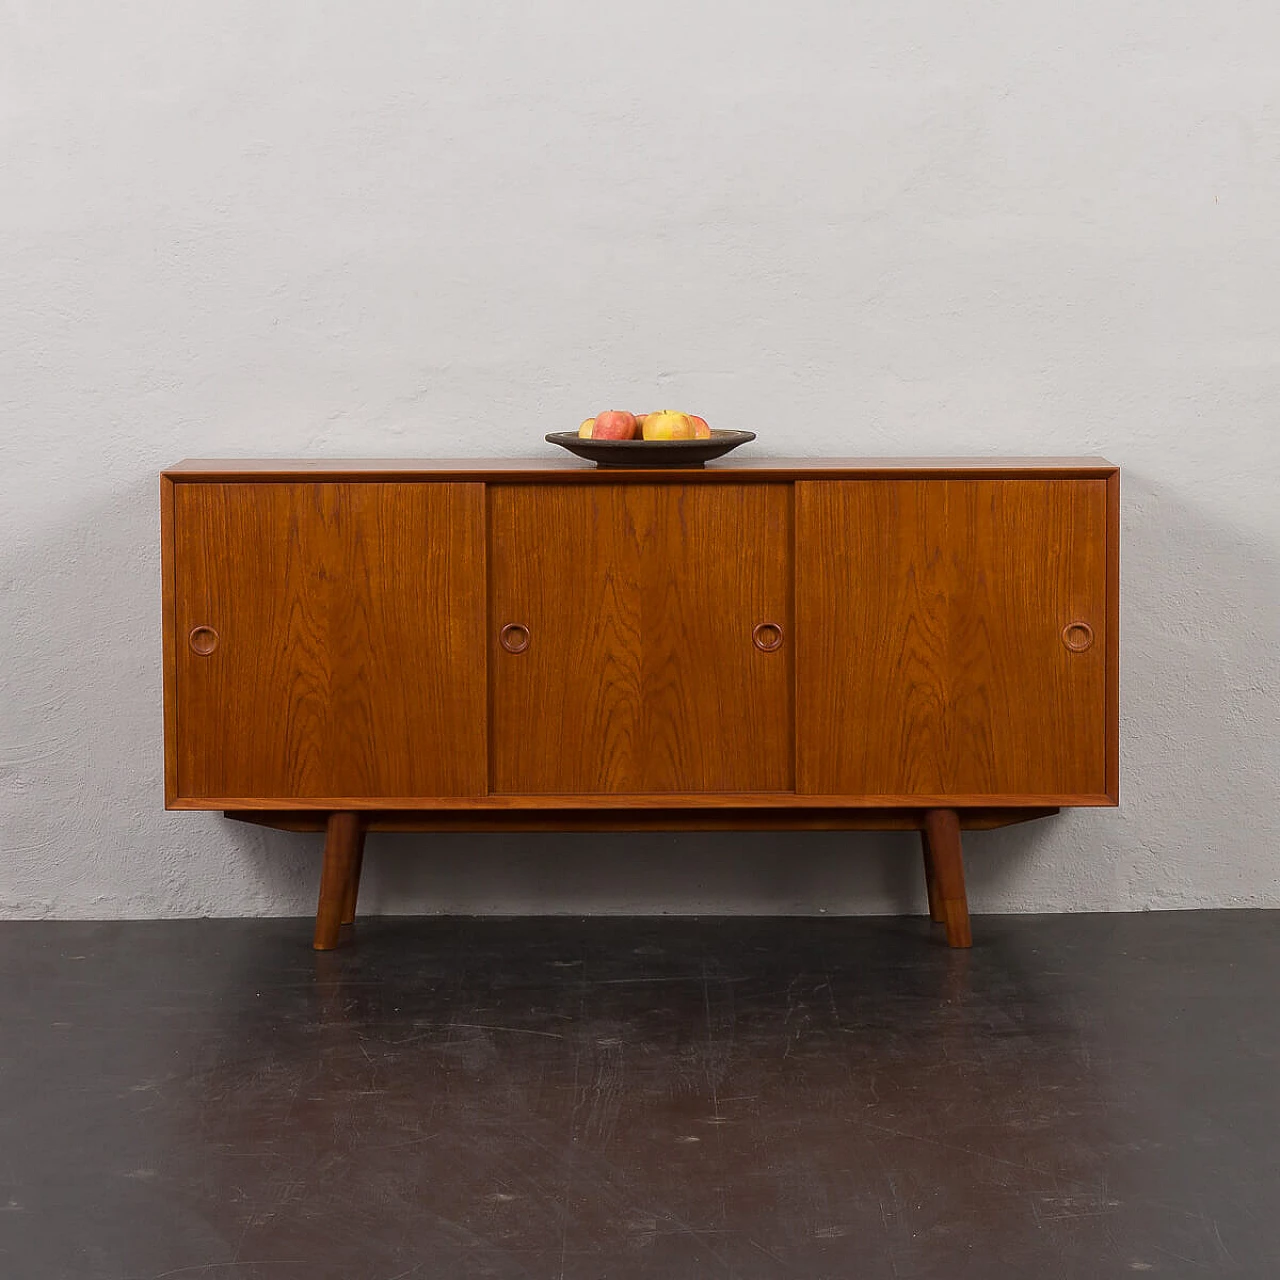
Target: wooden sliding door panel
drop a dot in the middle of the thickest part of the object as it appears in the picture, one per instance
(1029, 708)
(563, 568)
(640, 672)
(872, 683)
(938, 654)
(715, 566)
(343, 634)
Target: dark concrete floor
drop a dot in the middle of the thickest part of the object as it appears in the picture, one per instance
(1079, 1096)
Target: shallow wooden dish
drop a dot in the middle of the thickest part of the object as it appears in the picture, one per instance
(651, 453)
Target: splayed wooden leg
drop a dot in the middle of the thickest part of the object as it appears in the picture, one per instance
(353, 884)
(931, 880)
(942, 834)
(343, 839)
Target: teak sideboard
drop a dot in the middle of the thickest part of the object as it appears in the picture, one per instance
(928, 645)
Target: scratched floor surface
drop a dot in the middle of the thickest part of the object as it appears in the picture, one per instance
(1077, 1097)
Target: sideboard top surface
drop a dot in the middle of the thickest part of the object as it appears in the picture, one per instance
(564, 469)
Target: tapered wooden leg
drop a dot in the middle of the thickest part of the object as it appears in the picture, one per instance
(942, 836)
(341, 846)
(353, 883)
(931, 880)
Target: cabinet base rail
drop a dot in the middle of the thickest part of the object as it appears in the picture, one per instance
(939, 834)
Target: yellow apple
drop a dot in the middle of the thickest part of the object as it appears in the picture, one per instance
(666, 424)
(587, 427)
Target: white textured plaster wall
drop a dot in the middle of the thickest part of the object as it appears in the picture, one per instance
(441, 228)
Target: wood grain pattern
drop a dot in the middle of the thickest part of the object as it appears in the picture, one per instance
(565, 711)
(929, 617)
(716, 563)
(640, 675)
(351, 640)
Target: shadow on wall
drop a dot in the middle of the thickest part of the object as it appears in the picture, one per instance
(84, 834)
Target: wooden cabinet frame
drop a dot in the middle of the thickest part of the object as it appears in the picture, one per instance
(370, 564)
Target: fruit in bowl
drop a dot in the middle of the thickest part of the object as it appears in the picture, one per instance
(666, 424)
(612, 424)
(648, 441)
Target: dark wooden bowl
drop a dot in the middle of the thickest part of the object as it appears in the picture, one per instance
(651, 453)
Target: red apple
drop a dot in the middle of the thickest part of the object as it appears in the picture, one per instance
(614, 424)
(700, 429)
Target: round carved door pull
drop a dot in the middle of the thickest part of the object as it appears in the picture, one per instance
(203, 640)
(1077, 636)
(514, 637)
(766, 636)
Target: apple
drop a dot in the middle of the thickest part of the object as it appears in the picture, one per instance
(666, 424)
(700, 429)
(587, 427)
(615, 424)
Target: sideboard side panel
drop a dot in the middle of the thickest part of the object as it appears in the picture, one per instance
(1113, 637)
(349, 658)
(168, 605)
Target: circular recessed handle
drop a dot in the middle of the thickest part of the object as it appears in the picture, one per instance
(1077, 636)
(514, 637)
(203, 640)
(766, 636)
